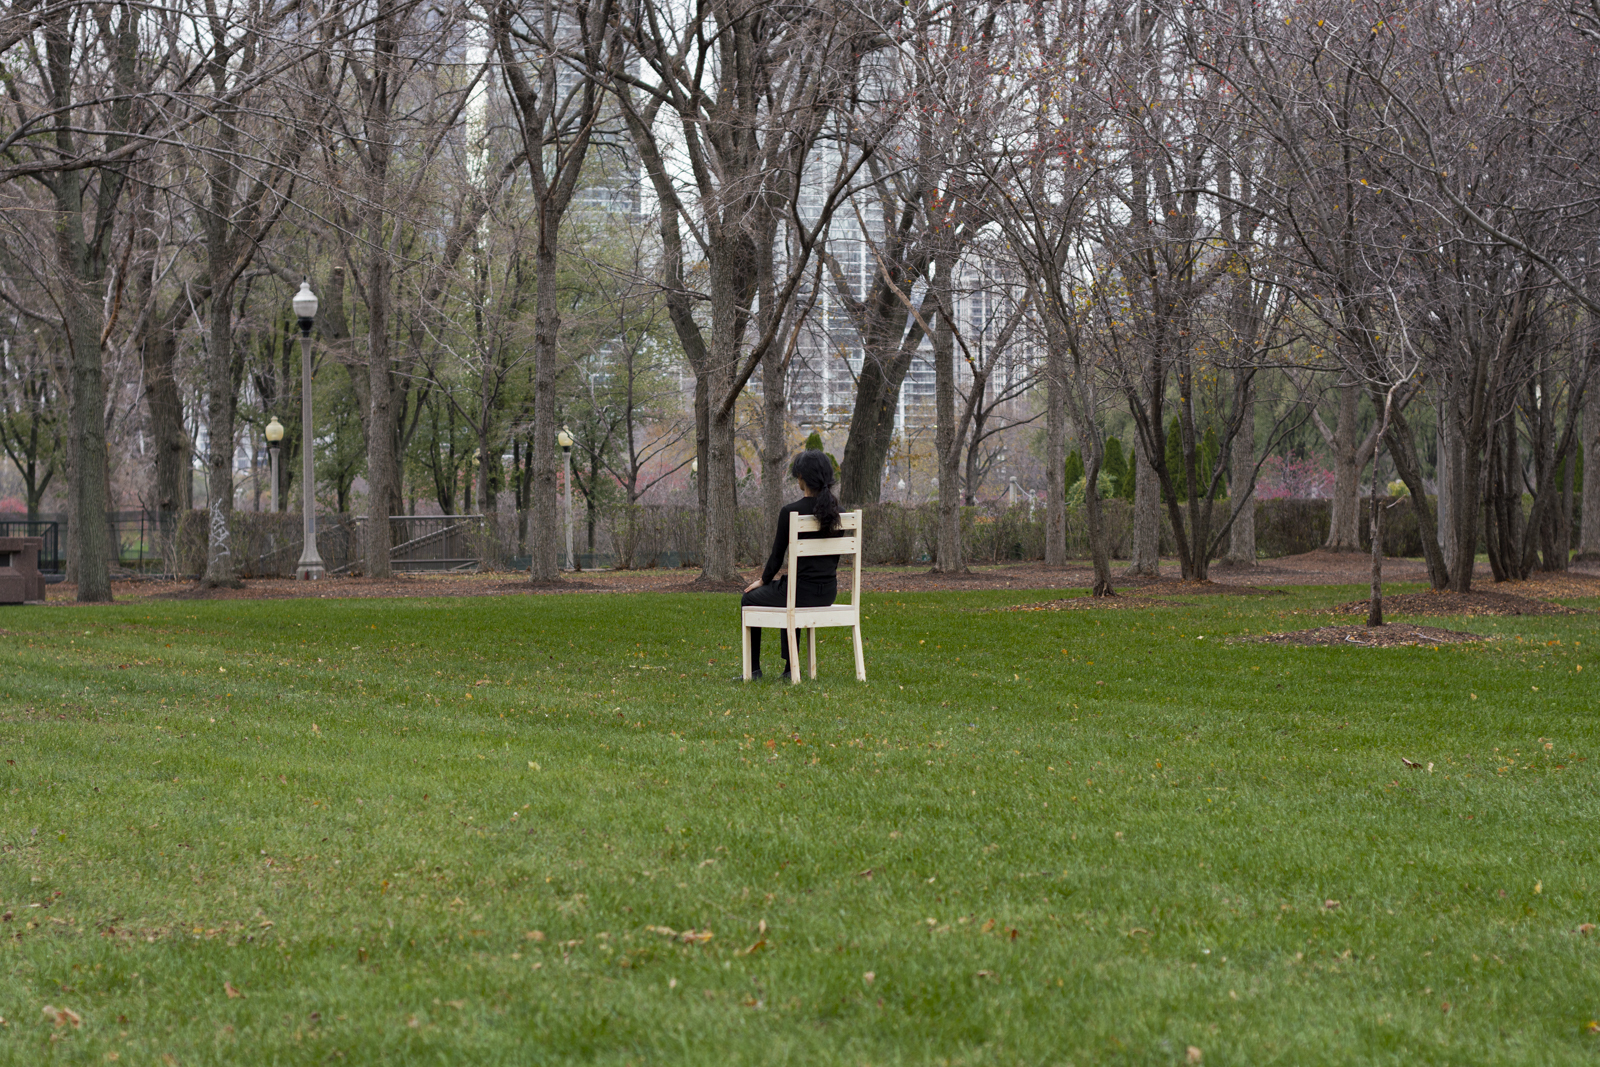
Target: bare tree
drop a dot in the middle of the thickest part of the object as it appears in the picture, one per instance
(555, 59)
(738, 98)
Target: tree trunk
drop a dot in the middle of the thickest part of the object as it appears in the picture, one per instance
(1375, 597)
(866, 446)
(545, 533)
(1146, 515)
(1241, 487)
(163, 401)
(702, 438)
(1589, 515)
(947, 444)
(1402, 449)
(381, 472)
(86, 441)
(774, 409)
(1055, 456)
(382, 476)
(1445, 480)
(221, 401)
(1470, 504)
(731, 287)
(1344, 527)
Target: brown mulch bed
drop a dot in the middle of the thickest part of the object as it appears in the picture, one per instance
(1143, 593)
(563, 585)
(1445, 602)
(1311, 568)
(1090, 603)
(698, 586)
(1394, 635)
(1559, 584)
(1178, 587)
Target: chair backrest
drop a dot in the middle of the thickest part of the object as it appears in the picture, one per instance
(846, 542)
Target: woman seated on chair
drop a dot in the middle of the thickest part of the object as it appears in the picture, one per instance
(818, 581)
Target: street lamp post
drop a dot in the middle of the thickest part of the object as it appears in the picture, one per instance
(310, 567)
(274, 435)
(564, 439)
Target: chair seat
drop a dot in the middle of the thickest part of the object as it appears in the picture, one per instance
(804, 618)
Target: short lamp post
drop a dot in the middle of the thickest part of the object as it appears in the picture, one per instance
(310, 567)
(274, 436)
(564, 439)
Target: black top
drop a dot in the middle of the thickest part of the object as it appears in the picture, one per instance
(814, 570)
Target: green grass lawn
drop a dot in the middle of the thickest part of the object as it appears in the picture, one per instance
(550, 829)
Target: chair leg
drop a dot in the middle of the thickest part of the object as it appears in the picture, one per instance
(813, 633)
(794, 654)
(744, 647)
(861, 662)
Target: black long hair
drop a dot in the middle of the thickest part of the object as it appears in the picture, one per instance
(816, 470)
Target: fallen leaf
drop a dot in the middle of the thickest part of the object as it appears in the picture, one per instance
(868, 977)
(1538, 887)
(411, 1021)
(864, 874)
(1592, 1027)
(63, 1016)
(232, 991)
(1409, 763)
(1193, 1055)
(985, 974)
(533, 935)
(1330, 904)
(1445, 1007)
(1586, 928)
(456, 1004)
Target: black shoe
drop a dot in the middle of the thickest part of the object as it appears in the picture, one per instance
(755, 676)
(786, 678)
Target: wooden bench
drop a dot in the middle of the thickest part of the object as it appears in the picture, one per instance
(791, 619)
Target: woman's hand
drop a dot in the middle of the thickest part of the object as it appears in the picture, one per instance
(753, 586)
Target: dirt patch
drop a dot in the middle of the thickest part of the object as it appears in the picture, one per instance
(1091, 603)
(1143, 593)
(561, 585)
(698, 586)
(1391, 636)
(1177, 587)
(1006, 576)
(1445, 602)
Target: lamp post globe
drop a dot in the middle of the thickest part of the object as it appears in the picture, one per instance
(305, 306)
(310, 567)
(274, 435)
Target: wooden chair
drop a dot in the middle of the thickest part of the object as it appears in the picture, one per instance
(791, 619)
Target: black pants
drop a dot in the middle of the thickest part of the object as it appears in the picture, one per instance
(776, 595)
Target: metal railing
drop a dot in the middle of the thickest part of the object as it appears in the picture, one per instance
(51, 558)
(438, 542)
